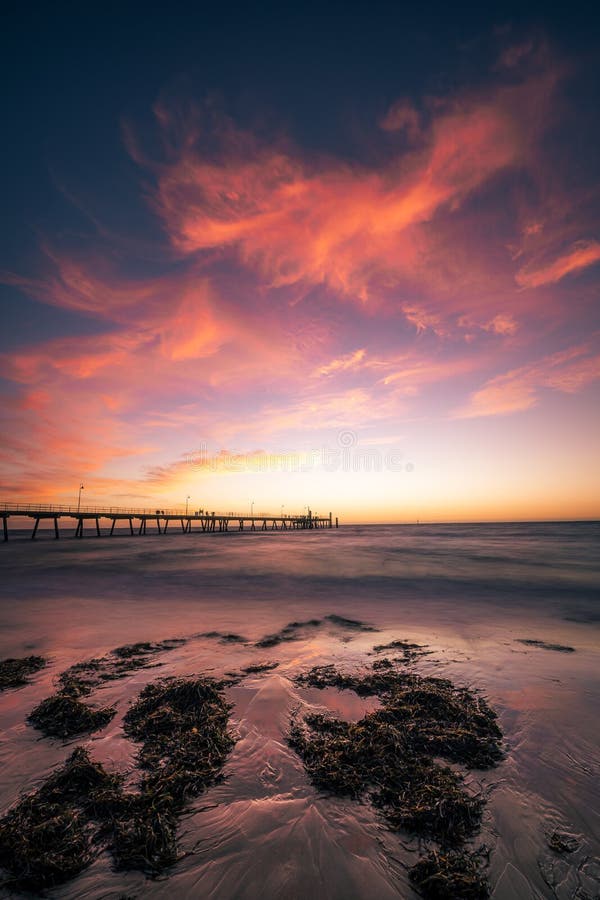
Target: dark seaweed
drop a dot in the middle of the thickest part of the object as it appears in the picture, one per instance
(410, 652)
(260, 667)
(440, 719)
(293, 631)
(563, 842)
(352, 624)
(147, 647)
(225, 637)
(388, 756)
(182, 724)
(15, 672)
(446, 876)
(49, 836)
(53, 834)
(290, 632)
(544, 645)
(65, 715)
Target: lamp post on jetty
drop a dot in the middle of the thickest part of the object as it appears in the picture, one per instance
(252, 508)
(187, 500)
(79, 497)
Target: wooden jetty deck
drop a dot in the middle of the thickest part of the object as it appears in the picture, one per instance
(156, 521)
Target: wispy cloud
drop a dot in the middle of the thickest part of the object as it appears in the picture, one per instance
(307, 221)
(568, 371)
(580, 256)
(343, 363)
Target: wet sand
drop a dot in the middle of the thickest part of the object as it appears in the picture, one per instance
(265, 831)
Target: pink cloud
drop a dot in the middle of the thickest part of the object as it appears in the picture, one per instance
(423, 320)
(354, 229)
(344, 363)
(568, 371)
(501, 324)
(580, 256)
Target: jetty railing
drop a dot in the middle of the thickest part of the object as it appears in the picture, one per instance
(28, 508)
(159, 519)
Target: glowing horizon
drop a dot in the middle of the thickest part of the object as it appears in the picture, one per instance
(428, 312)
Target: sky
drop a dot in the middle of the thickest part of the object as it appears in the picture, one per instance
(342, 257)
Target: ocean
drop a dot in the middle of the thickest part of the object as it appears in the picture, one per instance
(473, 595)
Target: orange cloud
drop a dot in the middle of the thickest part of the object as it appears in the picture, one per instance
(580, 256)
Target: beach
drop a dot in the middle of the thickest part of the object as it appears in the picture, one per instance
(510, 611)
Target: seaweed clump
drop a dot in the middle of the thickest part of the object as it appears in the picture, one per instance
(255, 668)
(389, 754)
(182, 724)
(225, 637)
(49, 836)
(563, 842)
(84, 677)
(290, 632)
(294, 631)
(53, 834)
(15, 672)
(351, 624)
(65, 714)
(445, 876)
(144, 648)
(410, 651)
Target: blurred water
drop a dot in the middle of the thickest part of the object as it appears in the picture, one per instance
(542, 558)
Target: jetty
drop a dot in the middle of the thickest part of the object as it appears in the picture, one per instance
(155, 521)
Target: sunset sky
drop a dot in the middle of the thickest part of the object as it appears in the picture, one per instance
(346, 258)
